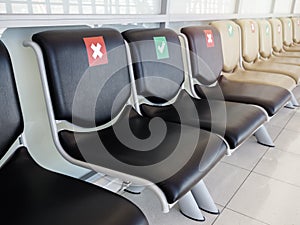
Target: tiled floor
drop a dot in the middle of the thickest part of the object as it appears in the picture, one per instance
(255, 186)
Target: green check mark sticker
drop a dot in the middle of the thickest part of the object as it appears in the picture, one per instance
(161, 47)
(267, 30)
(230, 30)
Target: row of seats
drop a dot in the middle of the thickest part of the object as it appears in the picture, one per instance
(104, 114)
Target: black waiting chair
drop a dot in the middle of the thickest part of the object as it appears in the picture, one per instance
(32, 195)
(88, 89)
(207, 83)
(165, 98)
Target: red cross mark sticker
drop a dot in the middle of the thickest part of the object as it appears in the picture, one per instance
(298, 22)
(96, 50)
(210, 42)
(252, 27)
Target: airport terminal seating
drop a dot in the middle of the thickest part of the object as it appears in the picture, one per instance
(88, 83)
(32, 195)
(287, 35)
(251, 61)
(235, 121)
(277, 40)
(232, 69)
(296, 30)
(266, 45)
(206, 82)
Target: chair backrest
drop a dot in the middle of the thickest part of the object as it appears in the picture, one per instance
(11, 121)
(265, 38)
(205, 52)
(230, 38)
(287, 31)
(250, 39)
(157, 62)
(277, 38)
(87, 72)
(296, 29)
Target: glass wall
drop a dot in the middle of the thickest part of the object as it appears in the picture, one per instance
(202, 6)
(283, 6)
(80, 6)
(297, 7)
(256, 6)
(150, 11)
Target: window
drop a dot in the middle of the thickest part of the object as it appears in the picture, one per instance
(202, 6)
(80, 6)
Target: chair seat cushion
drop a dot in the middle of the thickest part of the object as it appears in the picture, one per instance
(285, 60)
(271, 98)
(294, 48)
(234, 121)
(292, 71)
(287, 54)
(257, 77)
(32, 195)
(173, 156)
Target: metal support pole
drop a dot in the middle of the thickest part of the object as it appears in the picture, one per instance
(263, 137)
(189, 207)
(204, 199)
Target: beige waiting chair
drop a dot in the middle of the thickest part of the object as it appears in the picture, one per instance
(277, 37)
(250, 50)
(296, 30)
(232, 70)
(287, 35)
(266, 46)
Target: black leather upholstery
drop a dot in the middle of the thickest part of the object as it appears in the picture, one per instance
(82, 94)
(134, 144)
(207, 66)
(11, 122)
(235, 122)
(158, 79)
(32, 195)
(270, 98)
(241, 120)
(164, 165)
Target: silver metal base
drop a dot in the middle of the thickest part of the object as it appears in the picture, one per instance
(294, 101)
(204, 199)
(290, 105)
(189, 207)
(263, 137)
